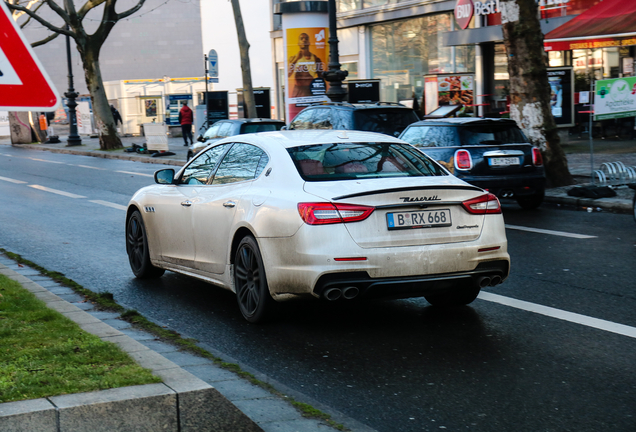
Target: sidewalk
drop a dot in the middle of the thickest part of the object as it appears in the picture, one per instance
(196, 395)
(576, 149)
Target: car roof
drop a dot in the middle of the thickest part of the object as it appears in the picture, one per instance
(295, 138)
(461, 121)
(251, 120)
(361, 106)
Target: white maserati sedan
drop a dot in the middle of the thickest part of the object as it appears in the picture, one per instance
(334, 215)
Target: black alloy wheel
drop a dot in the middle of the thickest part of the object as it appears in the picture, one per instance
(250, 282)
(137, 249)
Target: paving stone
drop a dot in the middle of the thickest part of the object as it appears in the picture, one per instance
(241, 390)
(104, 315)
(51, 284)
(126, 343)
(151, 360)
(71, 298)
(81, 317)
(150, 408)
(100, 329)
(46, 296)
(303, 425)
(117, 323)
(85, 306)
(34, 288)
(59, 289)
(159, 346)
(28, 416)
(212, 374)
(267, 410)
(138, 335)
(27, 271)
(186, 359)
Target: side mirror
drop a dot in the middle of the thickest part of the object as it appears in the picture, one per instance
(164, 176)
(200, 138)
(283, 128)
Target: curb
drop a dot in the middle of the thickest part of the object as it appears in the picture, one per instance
(182, 402)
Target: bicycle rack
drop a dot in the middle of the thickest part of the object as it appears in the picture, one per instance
(614, 173)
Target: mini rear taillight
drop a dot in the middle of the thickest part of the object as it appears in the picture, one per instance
(484, 204)
(463, 161)
(537, 158)
(328, 213)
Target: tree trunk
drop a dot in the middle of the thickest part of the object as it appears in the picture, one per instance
(106, 128)
(529, 87)
(244, 47)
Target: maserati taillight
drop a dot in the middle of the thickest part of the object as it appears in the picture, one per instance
(484, 204)
(463, 161)
(328, 213)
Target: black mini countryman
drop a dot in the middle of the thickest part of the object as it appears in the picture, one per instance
(492, 154)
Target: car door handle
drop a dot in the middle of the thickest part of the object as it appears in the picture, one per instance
(186, 203)
(229, 204)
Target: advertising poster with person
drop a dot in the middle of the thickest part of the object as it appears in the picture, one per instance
(307, 55)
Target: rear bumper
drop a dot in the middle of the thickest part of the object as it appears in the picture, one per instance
(411, 286)
(502, 185)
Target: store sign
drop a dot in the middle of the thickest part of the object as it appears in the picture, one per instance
(615, 98)
(577, 44)
(363, 91)
(464, 12)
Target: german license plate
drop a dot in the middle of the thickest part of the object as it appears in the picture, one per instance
(503, 161)
(419, 219)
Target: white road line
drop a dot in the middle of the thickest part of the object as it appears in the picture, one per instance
(550, 232)
(55, 191)
(134, 173)
(109, 204)
(12, 180)
(91, 167)
(596, 323)
(49, 161)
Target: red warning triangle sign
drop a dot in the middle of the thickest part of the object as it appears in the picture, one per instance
(24, 84)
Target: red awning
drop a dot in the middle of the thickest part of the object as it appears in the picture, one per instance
(608, 19)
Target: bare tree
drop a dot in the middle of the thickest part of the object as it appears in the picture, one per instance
(89, 47)
(529, 87)
(244, 47)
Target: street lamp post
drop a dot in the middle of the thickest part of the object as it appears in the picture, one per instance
(73, 138)
(334, 75)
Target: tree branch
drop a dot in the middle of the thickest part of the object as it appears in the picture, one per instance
(43, 41)
(87, 8)
(131, 10)
(29, 18)
(42, 21)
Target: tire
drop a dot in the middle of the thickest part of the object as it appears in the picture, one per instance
(530, 202)
(137, 249)
(250, 282)
(464, 296)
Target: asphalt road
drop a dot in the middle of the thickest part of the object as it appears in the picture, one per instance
(506, 362)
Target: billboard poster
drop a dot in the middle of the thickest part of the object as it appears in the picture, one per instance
(363, 91)
(615, 98)
(431, 98)
(561, 95)
(307, 55)
(456, 90)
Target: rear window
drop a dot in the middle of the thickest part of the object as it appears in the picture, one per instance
(486, 134)
(387, 121)
(247, 128)
(348, 161)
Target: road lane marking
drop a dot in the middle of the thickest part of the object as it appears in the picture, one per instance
(134, 173)
(572, 317)
(12, 180)
(49, 161)
(550, 232)
(91, 167)
(55, 191)
(109, 204)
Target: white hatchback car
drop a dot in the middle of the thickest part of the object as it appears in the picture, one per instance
(325, 214)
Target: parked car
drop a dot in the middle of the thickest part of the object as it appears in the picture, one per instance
(383, 117)
(225, 128)
(493, 154)
(332, 215)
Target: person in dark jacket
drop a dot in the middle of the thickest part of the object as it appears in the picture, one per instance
(116, 115)
(185, 120)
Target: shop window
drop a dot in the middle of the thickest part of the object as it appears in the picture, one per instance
(372, 3)
(348, 5)
(556, 58)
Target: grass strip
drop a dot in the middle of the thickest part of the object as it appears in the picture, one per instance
(106, 301)
(43, 353)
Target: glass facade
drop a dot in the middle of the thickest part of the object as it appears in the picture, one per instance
(402, 52)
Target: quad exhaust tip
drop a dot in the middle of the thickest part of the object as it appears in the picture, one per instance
(333, 294)
(347, 293)
(350, 292)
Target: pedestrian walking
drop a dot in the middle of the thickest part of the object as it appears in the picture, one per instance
(116, 115)
(185, 120)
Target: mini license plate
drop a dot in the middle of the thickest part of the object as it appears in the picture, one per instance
(419, 219)
(503, 161)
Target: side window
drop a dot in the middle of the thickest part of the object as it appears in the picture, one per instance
(302, 120)
(224, 130)
(211, 132)
(199, 170)
(322, 119)
(431, 136)
(240, 163)
(341, 119)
